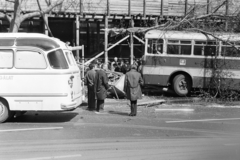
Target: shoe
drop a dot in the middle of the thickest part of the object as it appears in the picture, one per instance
(130, 114)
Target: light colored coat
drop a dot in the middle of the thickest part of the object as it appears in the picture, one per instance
(132, 86)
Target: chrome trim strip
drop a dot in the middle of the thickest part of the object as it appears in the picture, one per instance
(33, 94)
(34, 73)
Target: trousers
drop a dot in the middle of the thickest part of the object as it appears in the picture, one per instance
(100, 105)
(134, 107)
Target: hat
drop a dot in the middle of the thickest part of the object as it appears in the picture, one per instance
(133, 66)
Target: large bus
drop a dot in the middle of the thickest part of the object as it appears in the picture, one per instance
(184, 60)
(37, 73)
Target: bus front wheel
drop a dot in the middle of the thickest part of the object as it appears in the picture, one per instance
(181, 85)
(4, 112)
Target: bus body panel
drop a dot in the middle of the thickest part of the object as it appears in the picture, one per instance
(45, 89)
(157, 70)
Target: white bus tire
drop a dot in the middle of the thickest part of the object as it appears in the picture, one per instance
(4, 112)
(181, 85)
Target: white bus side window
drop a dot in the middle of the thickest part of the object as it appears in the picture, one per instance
(29, 59)
(229, 51)
(177, 47)
(57, 59)
(70, 58)
(155, 46)
(6, 58)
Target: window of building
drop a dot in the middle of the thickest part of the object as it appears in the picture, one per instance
(6, 58)
(29, 59)
(57, 60)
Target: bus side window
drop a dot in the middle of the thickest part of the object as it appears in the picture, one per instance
(210, 48)
(186, 48)
(155, 46)
(57, 60)
(179, 47)
(199, 48)
(173, 47)
(29, 60)
(6, 58)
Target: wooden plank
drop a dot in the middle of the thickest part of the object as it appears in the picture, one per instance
(156, 4)
(118, 6)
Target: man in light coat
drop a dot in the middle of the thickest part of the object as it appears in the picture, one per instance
(132, 88)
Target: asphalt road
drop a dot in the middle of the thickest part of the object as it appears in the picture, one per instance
(167, 131)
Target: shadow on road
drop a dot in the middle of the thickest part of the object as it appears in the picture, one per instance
(44, 117)
(119, 113)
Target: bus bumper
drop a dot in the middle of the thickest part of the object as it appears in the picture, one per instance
(69, 106)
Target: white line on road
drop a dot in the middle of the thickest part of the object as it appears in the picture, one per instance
(30, 129)
(53, 157)
(203, 120)
(174, 109)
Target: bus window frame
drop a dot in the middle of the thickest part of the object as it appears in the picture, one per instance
(148, 46)
(13, 57)
(179, 44)
(31, 50)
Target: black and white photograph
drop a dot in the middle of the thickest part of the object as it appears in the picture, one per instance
(119, 79)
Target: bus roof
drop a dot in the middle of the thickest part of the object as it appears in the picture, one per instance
(30, 39)
(186, 35)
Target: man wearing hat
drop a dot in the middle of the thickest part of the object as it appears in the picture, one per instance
(132, 88)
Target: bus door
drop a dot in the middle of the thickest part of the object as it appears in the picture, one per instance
(74, 80)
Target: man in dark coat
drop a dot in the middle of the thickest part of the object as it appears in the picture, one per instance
(101, 87)
(89, 81)
(132, 88)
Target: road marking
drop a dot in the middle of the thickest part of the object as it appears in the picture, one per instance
(203, 120)
(31, 129)
(101, 112)
(53, 157)
(174, 109)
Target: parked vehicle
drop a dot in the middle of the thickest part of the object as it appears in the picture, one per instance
(182, 60)
(37, 73)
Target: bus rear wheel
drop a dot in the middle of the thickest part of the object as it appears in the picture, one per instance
(182, 85)
(4, 112)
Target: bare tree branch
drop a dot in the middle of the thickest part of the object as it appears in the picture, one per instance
(47, 10)
(11, 1)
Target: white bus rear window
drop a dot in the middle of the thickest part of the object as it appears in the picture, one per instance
(6, 58)
(29, 60)
(57, 60)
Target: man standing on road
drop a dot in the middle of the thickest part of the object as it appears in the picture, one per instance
(89, 81)
(132, 88)
(101, 87)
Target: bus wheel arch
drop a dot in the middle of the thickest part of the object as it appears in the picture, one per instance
(5, 113)
(181, 83)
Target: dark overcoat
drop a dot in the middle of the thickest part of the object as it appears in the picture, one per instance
(89, 81)
(132, 86)
(101, 84)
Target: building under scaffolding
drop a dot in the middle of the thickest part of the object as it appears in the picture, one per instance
(82, 22)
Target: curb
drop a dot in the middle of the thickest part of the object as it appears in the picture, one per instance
(183, 100)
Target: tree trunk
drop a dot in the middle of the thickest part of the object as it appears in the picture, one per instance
(16, 19)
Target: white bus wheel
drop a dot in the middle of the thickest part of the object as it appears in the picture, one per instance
(4, 112)
(181, 85)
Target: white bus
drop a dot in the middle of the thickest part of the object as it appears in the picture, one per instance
(182, 60)
(37, 73)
